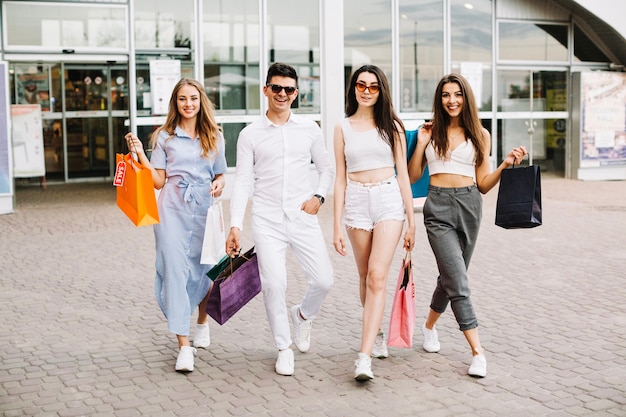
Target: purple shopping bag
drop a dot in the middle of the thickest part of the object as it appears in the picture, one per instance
(237, 284)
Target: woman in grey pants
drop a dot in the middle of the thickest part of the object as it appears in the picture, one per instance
(456, 148)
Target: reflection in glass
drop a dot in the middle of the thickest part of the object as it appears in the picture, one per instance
(421, 53)
(56, 88)
(145, 134)
(53, 147)
(163, 24)
(31, 85)
(548, 92)
(88, 147)
(231, 54)
(231, 134)
(143, 91)
(142, 82)
(86, 89)
(119, 89)
(52, 26)
(231, 31)
(523, 41)
(119, 129)
(232, 88)
(293, 35)
(294, 39)
(471, 39)
(308, 100)
(548, 146)
(367, 35)
(515, 132)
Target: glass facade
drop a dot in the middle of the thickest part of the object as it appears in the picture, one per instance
(470, 43)
(52, 26)
(163, 24)
(295, 38)
(533, 104)
(367, 34)
(519, 67)
(524, 41)
(231, 55)
(421, 53)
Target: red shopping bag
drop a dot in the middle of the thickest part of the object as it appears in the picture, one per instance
(135, 191)
(402, 318)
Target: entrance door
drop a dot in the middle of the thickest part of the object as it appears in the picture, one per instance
(95, 105)
(83, 108)
(532, 111)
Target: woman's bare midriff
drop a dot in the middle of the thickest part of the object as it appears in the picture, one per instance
(451, 180)
(372, 176)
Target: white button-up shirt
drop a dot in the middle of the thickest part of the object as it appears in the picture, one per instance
(274, 162)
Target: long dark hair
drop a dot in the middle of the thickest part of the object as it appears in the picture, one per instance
(385, 118)
(206, 127)
(469, 119)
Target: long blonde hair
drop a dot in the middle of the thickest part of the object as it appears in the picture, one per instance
(206, 126)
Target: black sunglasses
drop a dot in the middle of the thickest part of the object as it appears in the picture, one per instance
(276, 89)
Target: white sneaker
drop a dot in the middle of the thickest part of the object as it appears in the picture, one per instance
(202, 337)
(184, 362)
(363, 368)
(479, 366)
(379, 350)
(284, 362)
(301, 330)
(431, 339)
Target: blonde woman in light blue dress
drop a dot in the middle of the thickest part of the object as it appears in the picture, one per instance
(188, 166)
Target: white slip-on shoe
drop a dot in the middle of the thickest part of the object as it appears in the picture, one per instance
(431, 339)
(202, 337)
(184, 362)
(379, 350)
(478, 367)
(301, 330)
(284, 362)
(363, 368)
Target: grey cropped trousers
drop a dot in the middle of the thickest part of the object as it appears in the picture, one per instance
(452, 219)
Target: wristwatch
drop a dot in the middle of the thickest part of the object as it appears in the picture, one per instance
(320, 198)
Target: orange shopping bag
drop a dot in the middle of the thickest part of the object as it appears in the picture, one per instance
(135, 191)
(402, 318)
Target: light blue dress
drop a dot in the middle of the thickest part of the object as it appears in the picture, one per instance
(181, 282)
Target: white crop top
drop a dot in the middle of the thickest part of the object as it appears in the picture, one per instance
(462, 160)
(365, 150)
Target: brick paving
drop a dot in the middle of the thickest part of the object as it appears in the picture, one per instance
(81, 334)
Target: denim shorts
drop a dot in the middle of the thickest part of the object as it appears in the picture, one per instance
(366, 205)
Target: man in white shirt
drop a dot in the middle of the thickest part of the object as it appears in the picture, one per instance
(274, 157)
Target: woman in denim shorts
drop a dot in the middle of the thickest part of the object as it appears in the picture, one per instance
(370, 199)
(456, 148)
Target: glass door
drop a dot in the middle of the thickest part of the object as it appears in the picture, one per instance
(532, 111)
(95, 104)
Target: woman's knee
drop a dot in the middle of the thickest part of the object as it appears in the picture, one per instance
(376, 282)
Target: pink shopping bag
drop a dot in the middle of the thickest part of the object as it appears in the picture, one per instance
(402, 318)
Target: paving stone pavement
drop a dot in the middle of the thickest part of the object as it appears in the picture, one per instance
(81, 334)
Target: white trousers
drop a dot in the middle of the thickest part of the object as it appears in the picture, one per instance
(305, 238)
